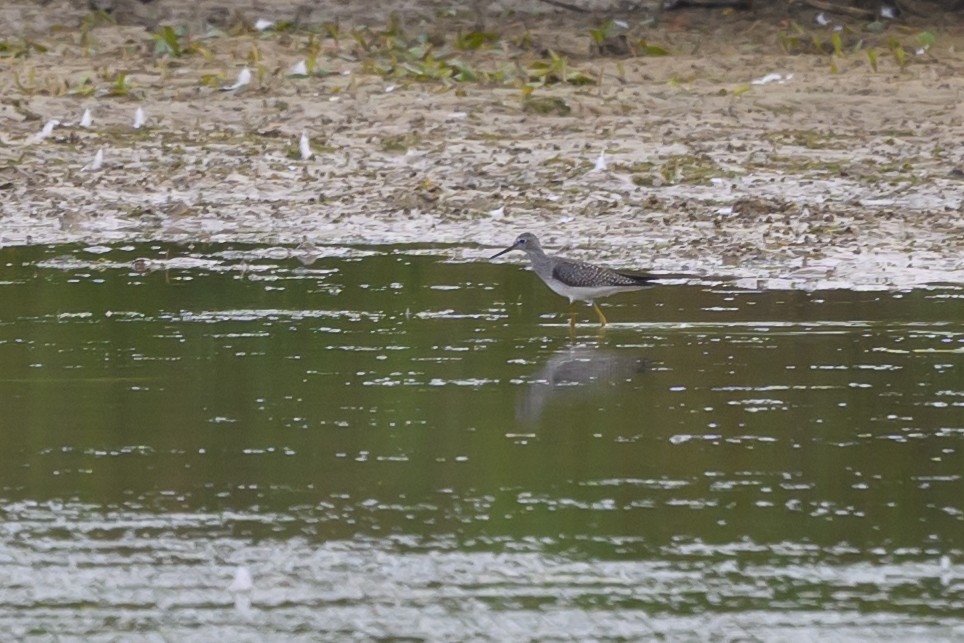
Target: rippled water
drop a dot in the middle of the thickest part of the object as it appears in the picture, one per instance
(395, 443)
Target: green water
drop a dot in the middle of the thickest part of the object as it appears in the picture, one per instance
(395, 444)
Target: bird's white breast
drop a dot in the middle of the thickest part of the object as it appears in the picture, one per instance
(578, 293)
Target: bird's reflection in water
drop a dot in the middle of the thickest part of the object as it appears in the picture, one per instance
(577, 370)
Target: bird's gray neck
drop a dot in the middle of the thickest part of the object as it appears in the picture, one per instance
(541, 263)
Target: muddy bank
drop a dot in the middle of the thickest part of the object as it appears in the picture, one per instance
(833, 174)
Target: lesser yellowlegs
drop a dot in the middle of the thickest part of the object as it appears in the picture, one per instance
(576, 280)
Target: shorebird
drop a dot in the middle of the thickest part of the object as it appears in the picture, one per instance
(574, 279)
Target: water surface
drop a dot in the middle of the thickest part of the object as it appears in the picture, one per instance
(396, 444)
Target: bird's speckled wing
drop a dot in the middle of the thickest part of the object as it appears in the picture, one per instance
(578, 274)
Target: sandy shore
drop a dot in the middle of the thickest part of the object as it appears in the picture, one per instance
(832, 175)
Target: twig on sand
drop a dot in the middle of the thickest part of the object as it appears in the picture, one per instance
(565, 5)
(837, 8)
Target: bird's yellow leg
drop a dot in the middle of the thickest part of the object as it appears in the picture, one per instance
(602, 318)
(572, 316)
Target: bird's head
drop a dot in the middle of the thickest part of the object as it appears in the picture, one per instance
(527, 242)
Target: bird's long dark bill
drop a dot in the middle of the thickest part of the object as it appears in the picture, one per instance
(499, 254)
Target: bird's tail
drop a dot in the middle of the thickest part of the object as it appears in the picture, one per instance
(638, 278)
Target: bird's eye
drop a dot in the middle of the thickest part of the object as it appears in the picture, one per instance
(522, 242)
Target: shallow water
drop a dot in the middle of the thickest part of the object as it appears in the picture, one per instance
(396, 444)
